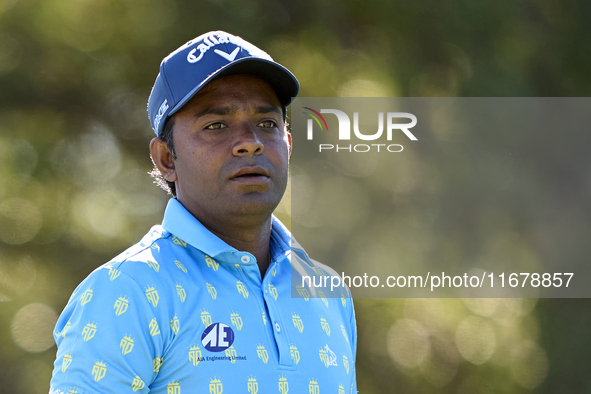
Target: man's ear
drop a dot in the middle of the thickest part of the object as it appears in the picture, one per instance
(163, 159)
(289, 143)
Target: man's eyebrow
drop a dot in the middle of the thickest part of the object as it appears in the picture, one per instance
(217, 111)
(265, 109)
(262, 109)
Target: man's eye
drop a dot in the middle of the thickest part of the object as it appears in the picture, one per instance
(216, 126)
(267, 123)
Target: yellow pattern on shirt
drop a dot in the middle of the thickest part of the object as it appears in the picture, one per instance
(137, 384)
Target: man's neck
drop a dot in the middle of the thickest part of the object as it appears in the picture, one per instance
(254, 241)
(245, 235)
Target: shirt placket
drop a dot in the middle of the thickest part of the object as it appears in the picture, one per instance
(270, 303)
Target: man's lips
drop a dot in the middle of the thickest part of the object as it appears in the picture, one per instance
(251, 175)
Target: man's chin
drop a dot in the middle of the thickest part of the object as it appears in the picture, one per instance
(254, 204)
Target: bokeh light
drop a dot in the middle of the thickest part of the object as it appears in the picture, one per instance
(18, 276)
(475, 339)
(21, 221)
(529, 364)
(32, 327)
(408, 343)
(441, 367)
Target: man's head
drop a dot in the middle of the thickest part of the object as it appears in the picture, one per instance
(212, 55)
(222, 146)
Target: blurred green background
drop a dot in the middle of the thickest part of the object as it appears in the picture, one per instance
(74, 191)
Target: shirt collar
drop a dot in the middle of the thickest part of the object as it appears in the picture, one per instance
(182, 224)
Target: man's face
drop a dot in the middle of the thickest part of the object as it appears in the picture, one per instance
(232, 150)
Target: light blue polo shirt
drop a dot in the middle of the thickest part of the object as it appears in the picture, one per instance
(183, 312)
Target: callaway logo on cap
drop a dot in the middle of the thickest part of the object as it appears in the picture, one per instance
(212, 55)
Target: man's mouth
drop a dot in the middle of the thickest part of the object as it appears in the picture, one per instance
(248, 175)
(251, 175)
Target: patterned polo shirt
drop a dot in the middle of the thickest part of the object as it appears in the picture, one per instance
(183, 312)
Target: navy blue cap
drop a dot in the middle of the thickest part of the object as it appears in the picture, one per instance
(212, 55)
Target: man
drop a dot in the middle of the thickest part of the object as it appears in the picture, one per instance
(203, 303)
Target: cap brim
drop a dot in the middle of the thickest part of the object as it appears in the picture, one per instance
(284, 83)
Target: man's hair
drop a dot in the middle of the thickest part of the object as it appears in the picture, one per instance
(166, 136)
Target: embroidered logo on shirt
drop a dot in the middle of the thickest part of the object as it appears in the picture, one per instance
(66, 362)
(179, 242)
(99, 371)
(325, 326)
(158, 363)
(212, 291)
(211, 263)
(152, 296)
(174, 388)
(121, 305)
(137, 384)
(297, 322)
(154, 265)
(242, 289)
(175, 325)
(231, 354)
(273, 291)
(262, 353)
(295, 354)
(181, 293)
(66, 327)
(195, 355)
(154, 329)
(217, 337)
(88, 331)
(113, 274)
(236, 320)
(313, 387)
(205, 318)
(303, 292)
(180, 266)
(252, 386)
(283, 385)
(86, 297)
(215, 386)
(126, 345)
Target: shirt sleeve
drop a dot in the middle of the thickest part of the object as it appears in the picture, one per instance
(108, 338)
(353, 323)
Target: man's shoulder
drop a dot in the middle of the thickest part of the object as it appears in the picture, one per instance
(141, 262)
(301, 259)
(140, 251)
(306, 267)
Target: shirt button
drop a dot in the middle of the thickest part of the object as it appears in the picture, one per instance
(245, 259)
(277, 327)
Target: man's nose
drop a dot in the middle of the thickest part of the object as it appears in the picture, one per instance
(247, 142)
